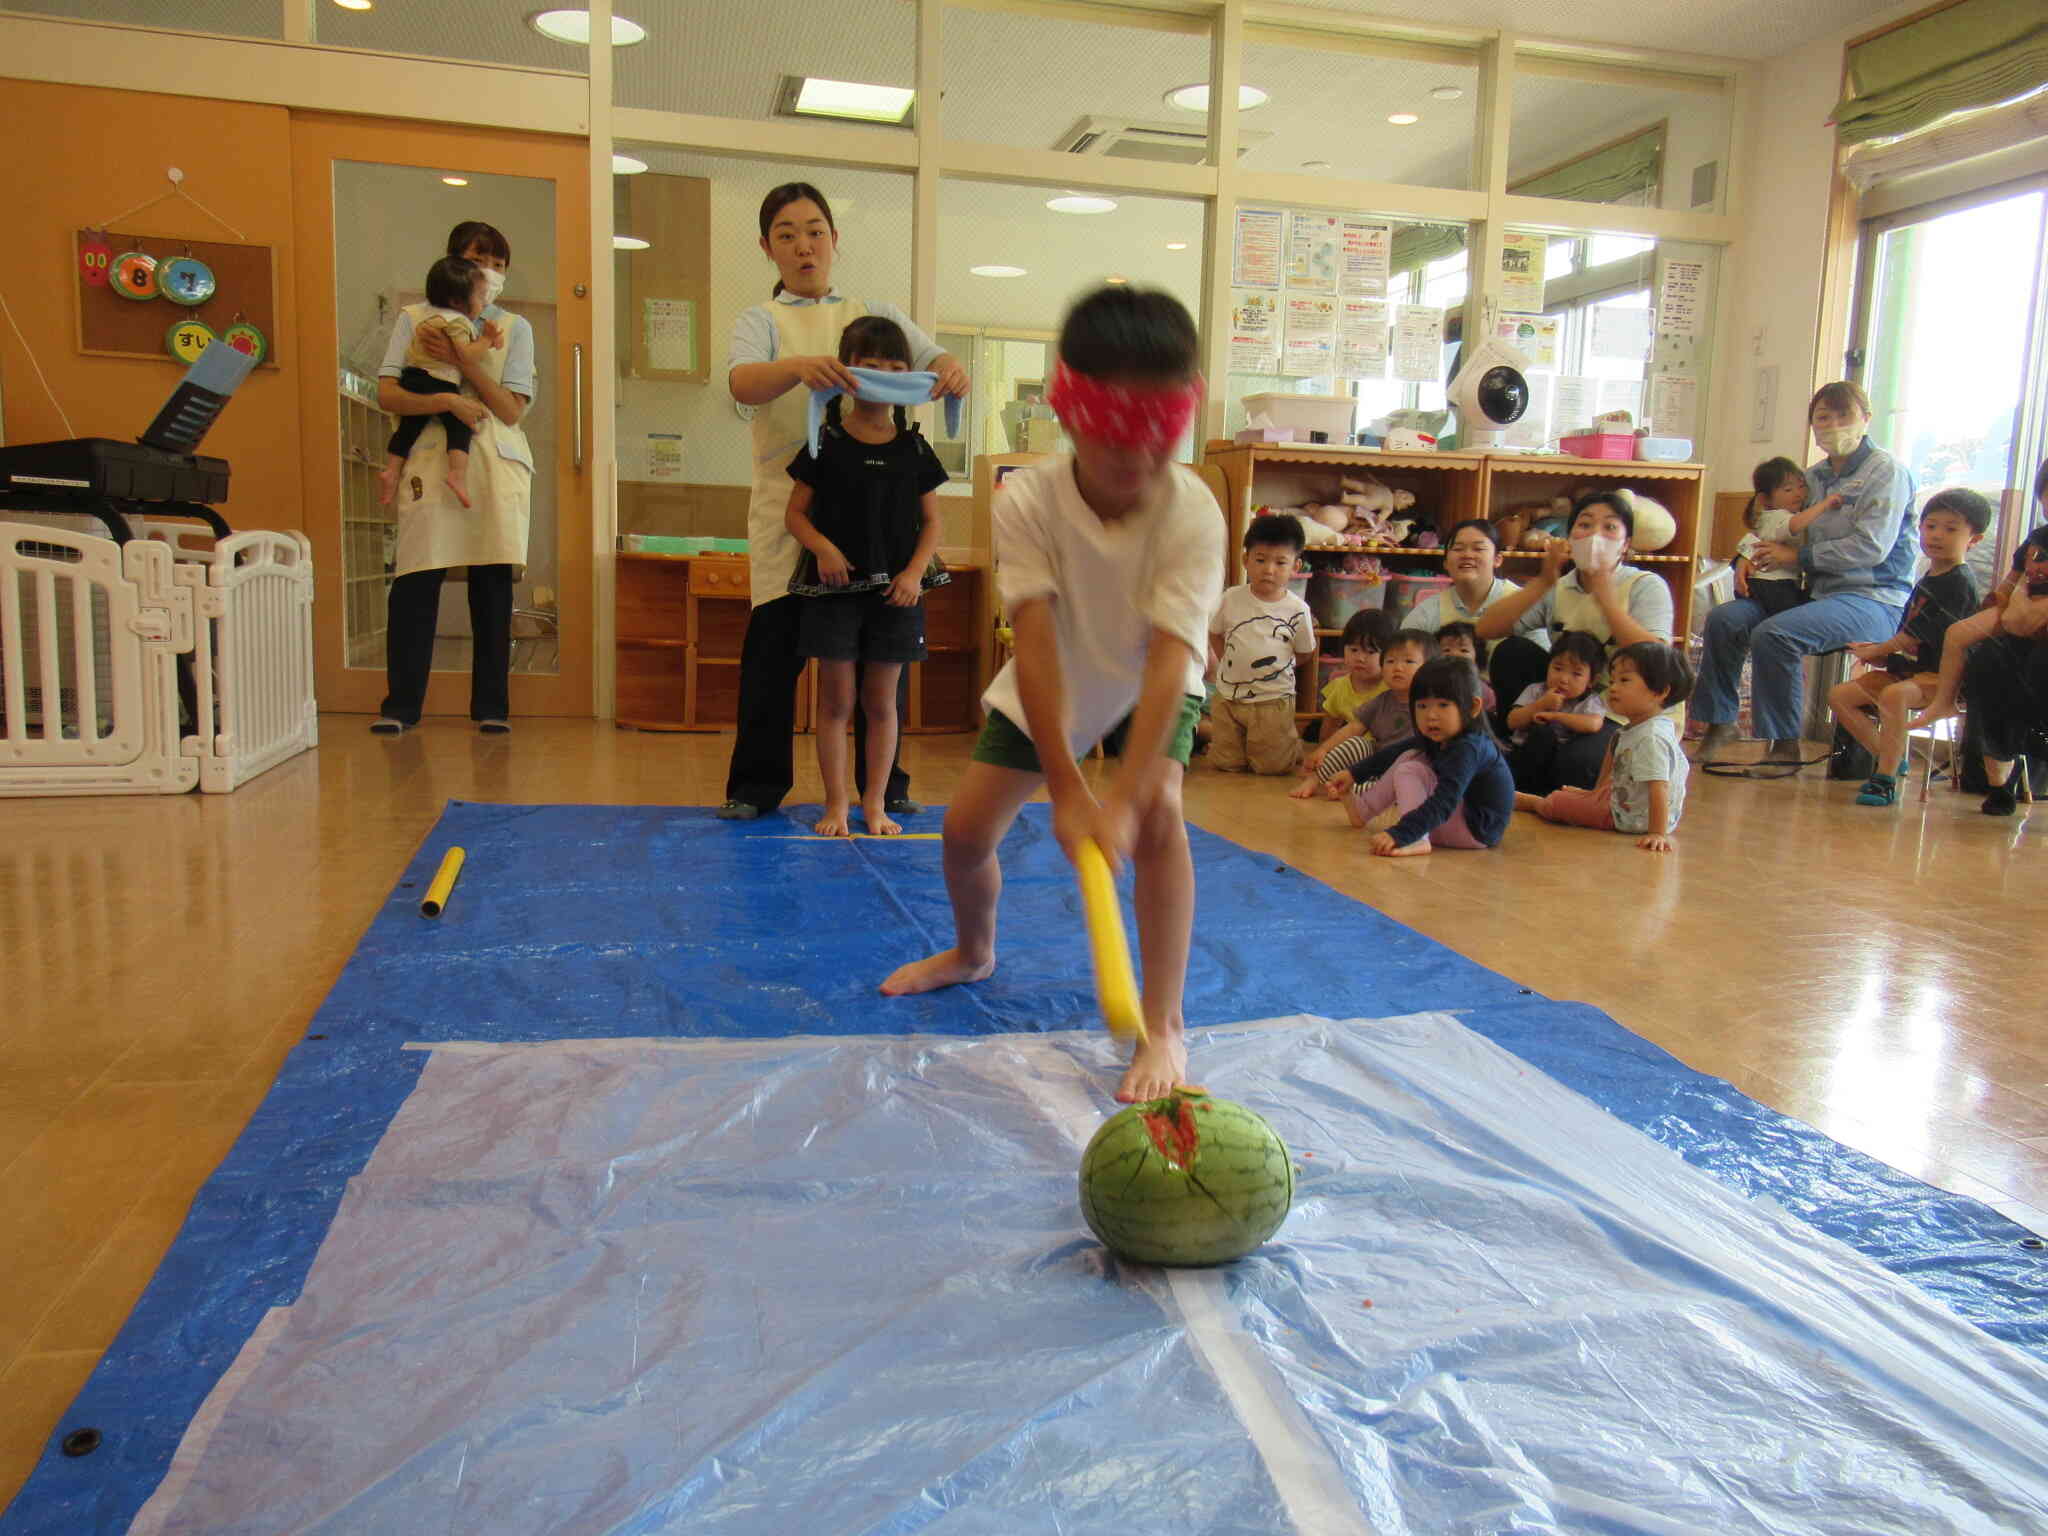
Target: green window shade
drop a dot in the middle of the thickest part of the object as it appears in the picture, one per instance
(1975, 54)
(1417, 245)
(1616, 174)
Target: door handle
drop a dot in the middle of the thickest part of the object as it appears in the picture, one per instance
(576, 392)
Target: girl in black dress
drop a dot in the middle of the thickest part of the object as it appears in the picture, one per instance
(866, 510)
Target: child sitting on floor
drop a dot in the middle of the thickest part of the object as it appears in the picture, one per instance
(1381, 720)
(1452, 786)
(1364, 638)
(1461, 639)
(1566, 704)
(1872, 706)
(1256, 633)
(1641, 788)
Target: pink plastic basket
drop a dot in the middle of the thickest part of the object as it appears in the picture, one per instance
(1600, 445)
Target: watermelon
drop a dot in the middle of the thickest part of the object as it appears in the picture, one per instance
(1185, 1180)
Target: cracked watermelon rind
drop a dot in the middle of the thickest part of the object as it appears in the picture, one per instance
(1185, 1180)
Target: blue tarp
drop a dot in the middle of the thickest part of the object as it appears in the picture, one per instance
(601, 923)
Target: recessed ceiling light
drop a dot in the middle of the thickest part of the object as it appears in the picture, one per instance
(1402, 119)
(1315, 165)
(851, 99)
(353, 5)
(455, 181)
(574, 27)
(1195, 98)
(628, 243)
(1448, 92)
(1176, 245)
(1116, 277)
(1075, 202)
(997, 271)
(626, 165)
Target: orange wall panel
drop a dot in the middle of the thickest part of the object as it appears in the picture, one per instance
(81, 155)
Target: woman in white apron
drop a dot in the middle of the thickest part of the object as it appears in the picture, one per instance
(781, 351)
(1616, 604)
(435, 531)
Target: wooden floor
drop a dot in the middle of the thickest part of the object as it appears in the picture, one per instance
(1870, 972)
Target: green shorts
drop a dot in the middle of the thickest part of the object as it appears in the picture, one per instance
(1004, 745)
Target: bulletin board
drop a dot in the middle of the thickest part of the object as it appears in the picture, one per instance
(111, 326)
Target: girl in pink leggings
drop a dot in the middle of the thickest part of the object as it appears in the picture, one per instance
(1450, 780)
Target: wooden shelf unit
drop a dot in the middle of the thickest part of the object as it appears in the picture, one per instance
(1450, 488)
(682, 619)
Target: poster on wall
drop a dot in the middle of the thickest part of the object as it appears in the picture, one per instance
(1418, 343)
(1254, 333)
(1255, 253)
(1311, 335)
(1576, 404)
(1622, 395)
(1623, 334)
(665, 456)
(1521, 270)
(1368, 256)
(1674, 399)
(1678, 298)
(1362, 338)
(1534, 336)
(1314, 251)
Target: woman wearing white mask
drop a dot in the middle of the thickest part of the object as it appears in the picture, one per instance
(1617, 604)
(436, 532)
(1857, 558)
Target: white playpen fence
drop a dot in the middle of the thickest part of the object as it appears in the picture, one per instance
(151, 666)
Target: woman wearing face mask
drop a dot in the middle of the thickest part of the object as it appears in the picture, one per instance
(1858, 562)
(435, 531)
(1617, 604)
(781, 351)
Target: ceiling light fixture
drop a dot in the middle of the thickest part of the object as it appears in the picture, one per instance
(1076, 202)
(454, 181)
(1176, 245)
(1448, 92)
(1403, 119)
(997, 271)
(1116, 278)
(626, 165)
(1315, 165)
(1195, 98)
(353, 5)
(628, 243)
(853, 100)
(574, 27)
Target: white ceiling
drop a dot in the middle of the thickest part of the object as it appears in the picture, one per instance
(1736, 29)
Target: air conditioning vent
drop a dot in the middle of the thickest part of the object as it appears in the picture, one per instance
(1121, 138)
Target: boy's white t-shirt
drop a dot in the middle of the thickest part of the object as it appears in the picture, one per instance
(1111, 584)
(1260, 642)
(1642, 754)
(1773, 526)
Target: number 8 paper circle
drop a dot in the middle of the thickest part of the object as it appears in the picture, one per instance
(187, 339)
(135, 275)
(186, 280)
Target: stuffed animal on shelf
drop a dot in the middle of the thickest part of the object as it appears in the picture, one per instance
(1427, 538)
(1511, 525)
(1543, 530)
(1368, 493)
(1363, 565)
(1315, 532)
(1655, 526)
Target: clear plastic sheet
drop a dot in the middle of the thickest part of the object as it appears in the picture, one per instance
(841, 1285)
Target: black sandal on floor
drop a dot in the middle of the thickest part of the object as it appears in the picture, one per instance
(2005, 798)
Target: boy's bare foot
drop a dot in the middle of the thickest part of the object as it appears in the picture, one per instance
(1420, 846)
(1338, 787)
(948, 968)
(1305, 790)
(836, 822)
(1530, 803)
(880, 824)
(1354, 810)
(1158, 1066)
(459, 484)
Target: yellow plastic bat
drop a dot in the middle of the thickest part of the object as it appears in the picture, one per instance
(1116, 986)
